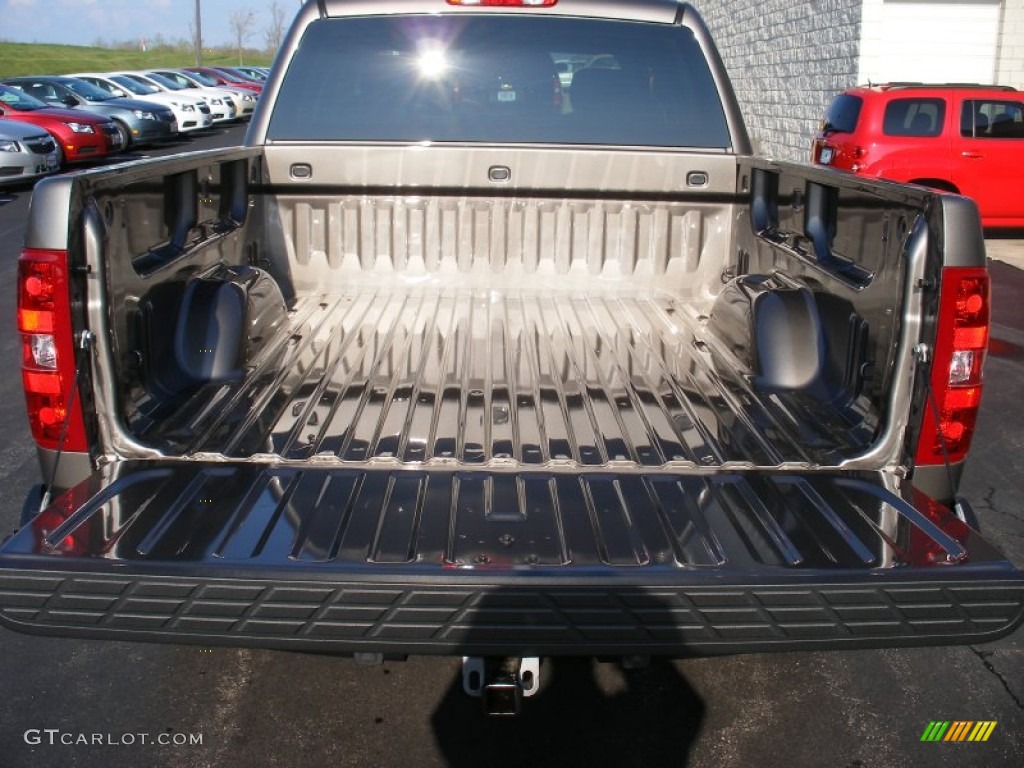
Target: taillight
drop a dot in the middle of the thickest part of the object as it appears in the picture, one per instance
(858, 153)
(48, 350)
(961, 341)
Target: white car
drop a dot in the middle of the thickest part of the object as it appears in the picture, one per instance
(187, 109)
(26, 151)
(244, 101)
(220, 102)
(220, 109)
(206, 117)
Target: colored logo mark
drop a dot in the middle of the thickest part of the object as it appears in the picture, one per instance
(958, 730)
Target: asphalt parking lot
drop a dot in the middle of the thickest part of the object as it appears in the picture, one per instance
(1007, 249)
(255, 708)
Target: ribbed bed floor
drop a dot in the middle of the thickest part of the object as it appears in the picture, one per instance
(450, 374)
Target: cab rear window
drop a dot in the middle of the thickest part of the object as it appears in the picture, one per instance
(499, 78)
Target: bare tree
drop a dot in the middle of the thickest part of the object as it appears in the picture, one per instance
(274, 31)
(241, 26)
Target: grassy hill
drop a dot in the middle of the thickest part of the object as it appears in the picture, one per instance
(40, 59)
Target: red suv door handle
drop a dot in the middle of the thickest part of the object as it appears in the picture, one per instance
(971, 155)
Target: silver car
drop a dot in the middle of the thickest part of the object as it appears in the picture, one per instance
(26, 151)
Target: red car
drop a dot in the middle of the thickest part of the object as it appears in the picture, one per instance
(228, 79)
(966, 139)
(82, 136)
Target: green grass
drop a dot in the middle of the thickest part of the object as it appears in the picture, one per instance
(39, 59)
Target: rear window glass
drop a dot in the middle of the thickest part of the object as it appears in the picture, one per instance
(843, 114)
(914, 117)
(985, 119)
(499, 79)
(18, 100)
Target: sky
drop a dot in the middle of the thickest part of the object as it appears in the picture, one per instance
(82, 22)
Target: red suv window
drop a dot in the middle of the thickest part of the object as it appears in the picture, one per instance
(984, 119)
(914, 117)
(843, 114)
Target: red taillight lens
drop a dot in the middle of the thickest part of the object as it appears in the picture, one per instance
(961, 341)
(857, 155)
(523, 3)
(48, 349)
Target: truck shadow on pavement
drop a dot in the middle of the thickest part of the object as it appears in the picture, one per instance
(581, 715)
(585, 712)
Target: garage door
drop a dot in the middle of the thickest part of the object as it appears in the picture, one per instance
(934, 42)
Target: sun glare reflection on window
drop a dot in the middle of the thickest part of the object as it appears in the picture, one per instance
(432, 61)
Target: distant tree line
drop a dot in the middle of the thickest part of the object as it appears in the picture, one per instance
(243, 26)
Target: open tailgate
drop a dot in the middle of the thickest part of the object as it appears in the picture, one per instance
(444, 560)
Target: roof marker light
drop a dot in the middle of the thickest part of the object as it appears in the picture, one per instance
(521, 3)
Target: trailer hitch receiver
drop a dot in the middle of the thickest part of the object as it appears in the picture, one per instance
(500, 683)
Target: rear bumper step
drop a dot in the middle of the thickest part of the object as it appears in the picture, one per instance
(478, 618)
(491, 562)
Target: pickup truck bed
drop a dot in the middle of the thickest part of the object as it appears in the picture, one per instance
(504, 455)
(548, 384)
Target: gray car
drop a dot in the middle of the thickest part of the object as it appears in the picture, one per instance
(26, 151)
(140, 122)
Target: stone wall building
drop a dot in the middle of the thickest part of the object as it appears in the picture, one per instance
(788, 59)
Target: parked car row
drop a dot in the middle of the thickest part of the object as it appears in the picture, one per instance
(52, 121)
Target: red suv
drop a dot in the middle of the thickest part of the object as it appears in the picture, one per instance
(967, 139)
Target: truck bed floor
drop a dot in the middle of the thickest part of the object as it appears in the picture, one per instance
(477, 377)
